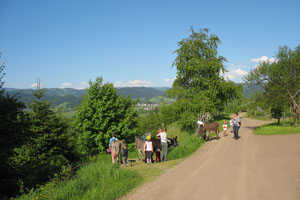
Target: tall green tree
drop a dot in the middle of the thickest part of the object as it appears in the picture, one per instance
(279, 79)
(13, 126)
(199, 83)
(102, 113)
(46, 148)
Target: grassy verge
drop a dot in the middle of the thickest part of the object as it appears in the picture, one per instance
(187, 143)
(275, 129)
(97, 180)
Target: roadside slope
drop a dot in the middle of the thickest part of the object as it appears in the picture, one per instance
(254, 167)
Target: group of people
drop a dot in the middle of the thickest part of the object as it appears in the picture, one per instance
(148, 147)
(235, 123)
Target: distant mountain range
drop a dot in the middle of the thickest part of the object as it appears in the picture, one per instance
(250, 89)
(71, 98)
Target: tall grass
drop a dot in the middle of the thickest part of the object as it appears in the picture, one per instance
(187, 143)
(97, 180)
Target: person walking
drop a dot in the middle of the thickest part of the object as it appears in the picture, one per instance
(164, 144)
(148, 149)
(236, 125)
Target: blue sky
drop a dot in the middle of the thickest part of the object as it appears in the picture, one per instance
(131, 43)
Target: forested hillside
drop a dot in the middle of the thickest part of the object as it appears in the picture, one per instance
(73, 97)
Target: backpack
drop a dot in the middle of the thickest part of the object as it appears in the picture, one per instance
(240, 122)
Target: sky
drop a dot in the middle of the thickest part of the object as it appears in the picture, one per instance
(131, 43)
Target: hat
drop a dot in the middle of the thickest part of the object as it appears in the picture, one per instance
(225, 122)
(148, 137)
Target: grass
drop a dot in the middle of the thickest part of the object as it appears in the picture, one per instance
(101, 180)
(275, 129)
(187, 143)
(97, 180)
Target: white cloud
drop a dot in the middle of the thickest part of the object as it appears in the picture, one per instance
(236, 73)
(240, 72)
(263, 59)
(66, 85)
(83, 85)
(169, 80)
(33, 85)
(135, 83)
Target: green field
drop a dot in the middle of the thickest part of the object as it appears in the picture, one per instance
(275, 129)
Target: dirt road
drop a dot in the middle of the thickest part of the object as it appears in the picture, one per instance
(254, 167)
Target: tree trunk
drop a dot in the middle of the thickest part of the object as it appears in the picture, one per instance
(295, 119)
(278, 121)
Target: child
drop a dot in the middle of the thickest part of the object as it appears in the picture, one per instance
(157, 153)
(231, 127)
(148, 149)
(225, 128)
(125, 154)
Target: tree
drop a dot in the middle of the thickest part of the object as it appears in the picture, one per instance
(279, 79)
(199, 83)
(46, 148)
(13, 127)
(102, 113)
(276, 112)
(150, 123)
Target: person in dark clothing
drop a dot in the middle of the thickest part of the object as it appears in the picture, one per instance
(236, 121)
(125, 154)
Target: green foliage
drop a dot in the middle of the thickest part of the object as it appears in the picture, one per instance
(188, 143)
(46, 148)
(279, 79)
(199, 86)
(149, 123)
(276, 112)
(199, 69)
(102, 113)
(97, 180)
(13, 125)
(169, 113)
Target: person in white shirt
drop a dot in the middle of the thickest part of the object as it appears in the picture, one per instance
(164, 144)
(201, 124)
(148, 149)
